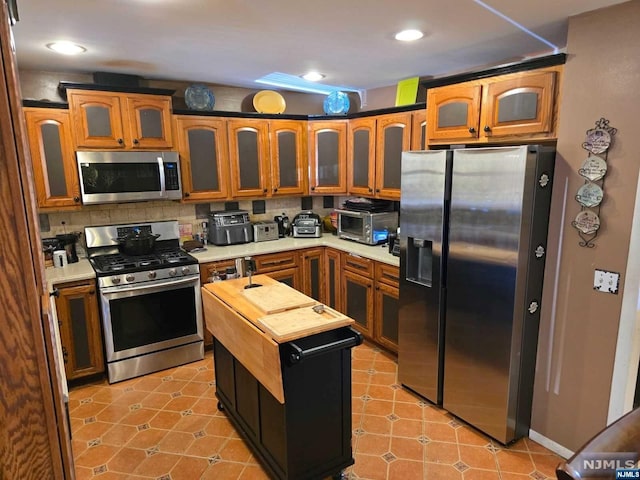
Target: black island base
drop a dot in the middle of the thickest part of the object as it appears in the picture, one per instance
(309, 436)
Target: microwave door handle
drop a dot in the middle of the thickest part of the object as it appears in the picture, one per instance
(163, 192)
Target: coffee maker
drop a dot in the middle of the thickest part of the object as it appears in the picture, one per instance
(67, 242)
(283, 225)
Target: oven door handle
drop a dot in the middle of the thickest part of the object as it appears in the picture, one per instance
(149, 286)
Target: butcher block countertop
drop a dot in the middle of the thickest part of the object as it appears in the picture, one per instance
(251, 323)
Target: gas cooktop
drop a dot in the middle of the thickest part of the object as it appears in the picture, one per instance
(121, 263)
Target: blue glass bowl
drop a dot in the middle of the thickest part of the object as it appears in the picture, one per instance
(336, 103)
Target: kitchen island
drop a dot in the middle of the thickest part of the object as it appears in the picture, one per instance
(283, 375)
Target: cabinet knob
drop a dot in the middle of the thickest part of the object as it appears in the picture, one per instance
(92, 292)
(264, 191)
(136, 141)
(186, 194)
(76, 199)
(120, 141)
(370, 190)
(313, 188)
(472, 130)
(55, 293)
(487, 128)
(275, 189)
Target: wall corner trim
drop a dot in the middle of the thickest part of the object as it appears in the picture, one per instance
(550, 444)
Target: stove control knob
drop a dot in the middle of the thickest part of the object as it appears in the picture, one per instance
(185, 270)
(172, 272)
(130, 278)
(115, 280)
(152, 275)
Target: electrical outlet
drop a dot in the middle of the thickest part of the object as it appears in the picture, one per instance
(607, 282)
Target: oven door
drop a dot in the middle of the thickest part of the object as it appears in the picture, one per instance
(140, 319)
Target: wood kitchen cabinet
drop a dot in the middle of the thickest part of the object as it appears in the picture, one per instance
(204, 161)
(328, 157)
(386, 305)
(207, 271)
(357, 285)
(282, 266)
(55, 172)
(80, 334)
(517, 106)
(123, 121)
(268, 158)
(312, 268)
(374, 151)
(249, 157)
(333, 278)
(288, 157)
(419, 130)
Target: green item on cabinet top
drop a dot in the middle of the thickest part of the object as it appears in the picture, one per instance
(406, 91)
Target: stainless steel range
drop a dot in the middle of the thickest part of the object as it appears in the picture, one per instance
(151, 304)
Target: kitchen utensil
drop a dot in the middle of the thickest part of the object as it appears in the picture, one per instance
(137, 242)
(250, 268)
(276, 298)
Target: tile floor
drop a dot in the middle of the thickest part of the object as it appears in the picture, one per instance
(166, 426)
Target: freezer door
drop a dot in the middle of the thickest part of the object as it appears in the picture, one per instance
(486, 220)
(423, 211)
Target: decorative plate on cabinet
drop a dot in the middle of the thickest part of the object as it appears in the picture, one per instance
(199, 97)
(336, 103)
(593, 168)
(587, 222)
(589, 195)
(268, 101)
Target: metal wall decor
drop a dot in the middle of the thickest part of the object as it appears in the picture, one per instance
(593, 170)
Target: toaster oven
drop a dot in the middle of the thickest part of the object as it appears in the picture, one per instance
(370, 228)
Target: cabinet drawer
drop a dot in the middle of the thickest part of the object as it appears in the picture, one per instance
(276, 261)
(358, 264)
(388, 274)
(220, 266)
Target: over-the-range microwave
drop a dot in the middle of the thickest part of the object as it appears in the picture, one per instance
(371, 228)
(108, 177)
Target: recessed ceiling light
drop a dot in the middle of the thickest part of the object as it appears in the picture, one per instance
(409, 35)
(66, 48)
(312, 76)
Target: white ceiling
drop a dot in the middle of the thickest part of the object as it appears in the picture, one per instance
(234, 42)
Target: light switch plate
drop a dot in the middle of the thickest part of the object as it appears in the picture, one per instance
(607, 282)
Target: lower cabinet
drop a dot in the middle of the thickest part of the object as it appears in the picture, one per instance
(282, 266)
(313, 284)
(386, 306)
(332, 279)
(207, 272)
(80, 333)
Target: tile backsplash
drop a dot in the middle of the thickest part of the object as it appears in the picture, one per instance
(54, 223)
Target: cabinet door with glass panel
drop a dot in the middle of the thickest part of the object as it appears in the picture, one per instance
(55, 172)
(202, 144)
(288, 155)
(111, 120)
(361, 156)
(393, 137)
(453, 112)
(249, 157)
(328, 157)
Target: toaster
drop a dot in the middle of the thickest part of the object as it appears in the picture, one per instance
(264, 231)
(230, 227)
(307, 225)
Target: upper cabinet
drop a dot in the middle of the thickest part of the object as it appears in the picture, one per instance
(374, 150)
(419, 130)
(54, 165)
(202, 145)
(513, 107)
(328, 157)
(288, 157)
(267, 157)
(112, 120)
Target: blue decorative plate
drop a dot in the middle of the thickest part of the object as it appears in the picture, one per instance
(199, 97)
(336, 103)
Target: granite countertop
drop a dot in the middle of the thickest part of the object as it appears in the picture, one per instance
(82, 270)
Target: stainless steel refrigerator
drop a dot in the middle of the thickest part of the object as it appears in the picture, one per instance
(473, 230)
